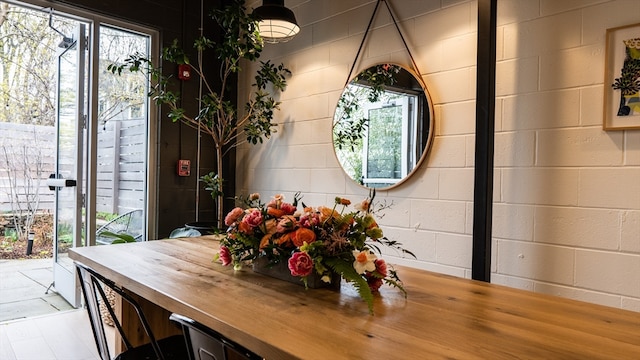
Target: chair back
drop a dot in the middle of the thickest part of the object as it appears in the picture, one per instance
(92, 304)
(204, 343)
(92, 285)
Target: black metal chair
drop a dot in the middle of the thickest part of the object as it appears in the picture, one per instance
(93, 284)
(204, 343)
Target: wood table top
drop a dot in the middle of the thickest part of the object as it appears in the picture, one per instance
(443, 317)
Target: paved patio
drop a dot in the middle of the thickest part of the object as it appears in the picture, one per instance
(23, 287)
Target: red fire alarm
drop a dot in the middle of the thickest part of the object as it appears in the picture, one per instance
(184, 167)
(184, 72)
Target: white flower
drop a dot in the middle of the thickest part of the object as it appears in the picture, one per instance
(363, 206)
(364, 261)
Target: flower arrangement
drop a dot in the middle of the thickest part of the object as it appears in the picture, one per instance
(324, 240)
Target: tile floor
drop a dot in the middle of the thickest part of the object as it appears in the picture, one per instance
(36, 324)
(64, 335)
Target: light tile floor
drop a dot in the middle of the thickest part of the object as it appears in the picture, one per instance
(40, 325)
(64, 335)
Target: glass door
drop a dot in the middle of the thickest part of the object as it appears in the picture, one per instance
(67, 181)
(122, 135)
(104, 168)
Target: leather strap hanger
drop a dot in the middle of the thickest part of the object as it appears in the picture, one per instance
(404, 42)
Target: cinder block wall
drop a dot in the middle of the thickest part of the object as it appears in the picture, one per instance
(567, 193)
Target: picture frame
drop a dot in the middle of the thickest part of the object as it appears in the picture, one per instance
(622, 86)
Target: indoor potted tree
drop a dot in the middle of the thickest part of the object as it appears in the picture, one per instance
(218, 115)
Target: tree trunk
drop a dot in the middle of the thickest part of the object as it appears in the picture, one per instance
(220, 197)
(4, 10)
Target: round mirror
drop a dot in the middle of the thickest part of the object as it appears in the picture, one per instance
(382, 126)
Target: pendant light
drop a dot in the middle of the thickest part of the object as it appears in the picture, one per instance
(276, 23)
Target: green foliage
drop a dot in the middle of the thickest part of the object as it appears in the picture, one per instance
(10, 234)
(65, 233)
(213, 183)
(346, 270)
(378, 78)
(106, 216)
(394, 280)
(271, 74)
(349, 130)
(246, 42)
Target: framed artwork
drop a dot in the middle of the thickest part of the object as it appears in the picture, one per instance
(622, 78)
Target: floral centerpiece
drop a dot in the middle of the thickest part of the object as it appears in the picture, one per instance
(324, 240)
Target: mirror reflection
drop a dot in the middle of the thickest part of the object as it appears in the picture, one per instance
(382, 126)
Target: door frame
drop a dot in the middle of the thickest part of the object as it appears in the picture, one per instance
(63, 273)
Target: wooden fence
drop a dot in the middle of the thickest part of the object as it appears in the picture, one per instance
(27, 157)
(122, 166)
(28, 151)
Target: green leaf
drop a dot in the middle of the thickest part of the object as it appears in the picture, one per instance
(119, 238)
(213, 183)
(346, 270)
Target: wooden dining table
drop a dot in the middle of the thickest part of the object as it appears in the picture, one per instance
(442, 317)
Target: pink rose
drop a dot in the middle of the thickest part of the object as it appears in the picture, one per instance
(288, 208)
(381, 267)
(310, 220)
(300, 264)
(374, 283)
(233, 216)
(225, 255)
(253, 219)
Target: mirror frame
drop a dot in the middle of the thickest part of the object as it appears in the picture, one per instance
(428, 113)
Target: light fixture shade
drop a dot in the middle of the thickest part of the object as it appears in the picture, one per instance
(276, 23)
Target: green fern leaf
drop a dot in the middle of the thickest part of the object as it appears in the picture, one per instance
(346, 270)
(396, 284)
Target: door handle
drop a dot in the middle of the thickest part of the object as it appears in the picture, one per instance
(53, 182)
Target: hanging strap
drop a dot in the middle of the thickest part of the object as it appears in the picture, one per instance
(404, 42)
(364, 37)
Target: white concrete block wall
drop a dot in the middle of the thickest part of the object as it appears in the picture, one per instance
(567, 194)
(582, 193)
